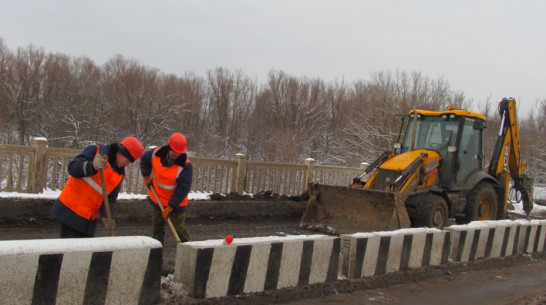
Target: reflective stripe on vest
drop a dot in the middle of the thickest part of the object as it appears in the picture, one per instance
(93, 184)
(168, 186)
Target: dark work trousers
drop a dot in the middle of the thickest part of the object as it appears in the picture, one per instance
(69, 232)
(179, 223)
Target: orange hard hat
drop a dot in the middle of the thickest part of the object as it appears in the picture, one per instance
(131, 148)
(177, 142)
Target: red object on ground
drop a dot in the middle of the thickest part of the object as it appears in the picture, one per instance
(228, 239)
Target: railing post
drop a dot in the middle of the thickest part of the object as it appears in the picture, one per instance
(240, 173)
(310, 162)
(39, 174)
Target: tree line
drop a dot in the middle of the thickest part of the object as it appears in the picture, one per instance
(73, 102)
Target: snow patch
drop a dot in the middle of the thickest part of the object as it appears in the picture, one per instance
(66, 245)
(54, 194)
(253, 240)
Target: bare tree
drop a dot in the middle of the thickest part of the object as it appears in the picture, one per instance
(191, 119)
(78, 107)
(229, 104)
(135, 103)
(325, 143)
(22, 89)
(290, 111)
(533, 142)
(7, 128)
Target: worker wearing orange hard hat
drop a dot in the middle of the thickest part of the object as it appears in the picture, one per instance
(169, 172)
(81, 200)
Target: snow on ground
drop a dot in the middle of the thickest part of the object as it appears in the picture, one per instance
(51, 194)
(48, 246)
(253, 240)
(539, 192)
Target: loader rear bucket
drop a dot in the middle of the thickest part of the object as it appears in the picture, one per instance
(345, 210)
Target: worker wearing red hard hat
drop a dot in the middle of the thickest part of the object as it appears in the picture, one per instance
(81, 199)
(169, 172)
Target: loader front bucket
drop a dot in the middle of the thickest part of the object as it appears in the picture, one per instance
(346, 210)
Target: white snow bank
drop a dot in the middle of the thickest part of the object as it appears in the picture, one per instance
(53, 194)
(253, 240)
(397, 232)
(65, 245)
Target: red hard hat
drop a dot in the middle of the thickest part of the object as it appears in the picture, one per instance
(177, 142)
(132, 148)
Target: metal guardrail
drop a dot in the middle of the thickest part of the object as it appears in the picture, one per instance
(31, 169)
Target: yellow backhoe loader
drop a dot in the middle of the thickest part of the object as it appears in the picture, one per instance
(437, 172)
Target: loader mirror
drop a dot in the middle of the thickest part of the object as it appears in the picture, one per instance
(452, 148)
(396, 148)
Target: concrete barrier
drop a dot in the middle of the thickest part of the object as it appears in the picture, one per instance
(532, 235)
(493, 239)
(212, 269)
(105, 270)
(376, 253)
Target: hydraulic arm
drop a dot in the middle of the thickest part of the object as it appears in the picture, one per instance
(506, 162)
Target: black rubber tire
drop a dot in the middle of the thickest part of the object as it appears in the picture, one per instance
(432, 212)
(481, 204)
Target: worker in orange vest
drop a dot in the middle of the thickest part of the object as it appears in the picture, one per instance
(168, 170)
(81, 199)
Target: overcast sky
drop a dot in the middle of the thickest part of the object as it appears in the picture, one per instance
(487, 49)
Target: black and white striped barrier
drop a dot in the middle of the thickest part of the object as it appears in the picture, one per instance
(103, 270)
(532, 236)
(493, 239)
(212, 269)
(376, 253)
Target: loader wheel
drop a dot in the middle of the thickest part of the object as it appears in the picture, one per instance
(481, 203)
(432, 212)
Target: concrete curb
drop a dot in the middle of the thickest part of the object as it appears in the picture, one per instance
(210, 269)
(104, 270)
(492, 239)
(376, 253)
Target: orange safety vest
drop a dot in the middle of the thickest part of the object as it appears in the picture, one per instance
(164, 181)
(84, 195)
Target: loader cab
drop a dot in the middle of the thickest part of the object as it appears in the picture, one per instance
(456, 135)
(470, 155)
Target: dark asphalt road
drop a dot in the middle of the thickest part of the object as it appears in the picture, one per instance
(519, 284)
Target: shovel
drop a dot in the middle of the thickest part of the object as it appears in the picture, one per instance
(160, 204)
(106, 203)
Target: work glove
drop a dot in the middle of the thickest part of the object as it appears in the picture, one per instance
(147, 181)
(99, 162)
(166, 212)
(105, 223)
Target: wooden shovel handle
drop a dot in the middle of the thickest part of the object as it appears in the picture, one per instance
(105, 202)
(160, 204)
